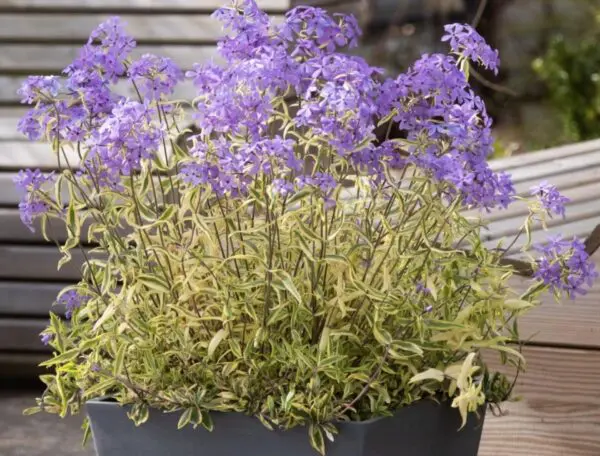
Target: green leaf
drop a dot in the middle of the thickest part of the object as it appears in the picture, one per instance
(300, 195)
(315, 434)
(154, 283)
(382, 336)
(410, 347)
(65, 357)
(108, 312)
(429, 374)
(207, 421)
(288, 283)
(517, 304)
(119, 359)
(100, 388)
(215, 341)
(185, 418)
(139, 413)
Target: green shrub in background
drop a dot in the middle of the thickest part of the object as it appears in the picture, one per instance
(571, 72)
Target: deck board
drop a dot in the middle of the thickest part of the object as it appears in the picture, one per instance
(10, 84)
(24, 59)
(541, 156)
(573, 323)
(75, 28)
(560, 413)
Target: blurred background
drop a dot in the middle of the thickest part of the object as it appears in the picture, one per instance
(547, 92)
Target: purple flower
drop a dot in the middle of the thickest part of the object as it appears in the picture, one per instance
(550, 198)
(32, 205)
(248, 30)
(464, 40)
(282, 187)
(313, 32)
(129, 135)
(451, 131)
(90, 87)
(206, 77)
(72, 300)
(155, 76)
(105, 52)
(565, 266)
(46, 338)
(39, 89)
(30, 126)
(339, 100)
(421, 288)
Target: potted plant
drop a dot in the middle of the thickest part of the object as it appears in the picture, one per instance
(280, 276)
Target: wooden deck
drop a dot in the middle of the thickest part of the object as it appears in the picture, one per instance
(560, 414)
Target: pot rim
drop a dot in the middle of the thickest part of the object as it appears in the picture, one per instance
(107, 400)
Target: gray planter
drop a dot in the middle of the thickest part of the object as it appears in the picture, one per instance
(423, 429)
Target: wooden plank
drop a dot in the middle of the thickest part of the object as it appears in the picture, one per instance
(509, 226)
(541, 156)
(31, 299)
(38, 263)
(16, 155)
(12, 229)
(9, 195)
(22, 366)
(141, 5)
(10, 84)
(560, 413)
(9, 118)
(22, 334)
(580, 228)
(147, 29)
(577, 195)
(553, 167)
(573, 179)
(33, 58)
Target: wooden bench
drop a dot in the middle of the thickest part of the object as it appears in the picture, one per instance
(42, 37)
(560, 413)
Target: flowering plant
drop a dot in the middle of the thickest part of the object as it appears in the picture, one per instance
(280, 259)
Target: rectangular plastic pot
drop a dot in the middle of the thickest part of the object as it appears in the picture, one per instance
(422, 429)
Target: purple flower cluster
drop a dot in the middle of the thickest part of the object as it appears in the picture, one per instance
(550, 198)
(249, 31)
(565, 266)
(451, 130)
(46, 338)
(129, 134)
(32, 205)
(339, 100)
(313, 32)
(465, 41)
(68, 109)
(252, 134)
(155, 77)
(106, 51)
(229, 168)
(72, 300)
(39, 89)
